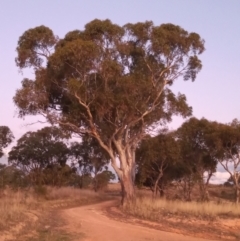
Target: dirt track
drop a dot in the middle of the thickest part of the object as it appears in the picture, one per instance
(96, 226)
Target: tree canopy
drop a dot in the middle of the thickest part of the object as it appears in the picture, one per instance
(197, 152)
(156, 159)
(91, 160)
(6, 137)
(36, 151)
(108, 81)
(226, 141)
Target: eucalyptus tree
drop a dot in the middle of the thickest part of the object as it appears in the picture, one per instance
(157, 157)
(6, 137)
(198, 153)
(90, 158)
(227, 145)
(36, 151)
(108, 81)
(79, 160)
(97, 159)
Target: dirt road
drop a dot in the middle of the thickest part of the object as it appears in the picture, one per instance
(92, 222)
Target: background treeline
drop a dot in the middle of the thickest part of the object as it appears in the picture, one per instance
(189, 156)
(44, 157)
(184, 158)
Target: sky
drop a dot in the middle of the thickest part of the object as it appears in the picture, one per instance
(215, 93)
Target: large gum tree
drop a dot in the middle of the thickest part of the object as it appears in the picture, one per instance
(108, 81)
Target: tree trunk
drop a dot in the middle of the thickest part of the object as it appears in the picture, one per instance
(161, 190)
(237, 195)
(128, 190)
(126, 171)
(162, 193)
(204, 195)
(95, 182)
(187, 188)
(155, 189)
(156, 185)
(204, 186)
(237, 187)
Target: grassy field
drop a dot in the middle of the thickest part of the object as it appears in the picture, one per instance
(221, 204)
(217, 219)
(21, 211)
(13, 207)
(34, 214)
(147, 208)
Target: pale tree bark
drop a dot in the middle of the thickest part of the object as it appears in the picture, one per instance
(160, 169)
(128, 190)
(203, 185)
(127, 174)
(234, 174)
(156, 185)
(126, 171)
(237, 186)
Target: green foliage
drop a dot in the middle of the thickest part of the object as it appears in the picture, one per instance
(157, 159)
(85, 181)
(102, 179)
(91, 160)
(197, 154)
(37, 151)
(197, 150)
(34, 45)
(58, 175)
(104, 62)
(226, 141)
(107, 81)
(186, 156)
(12, 177)
(40, 190)
(6, 137)
(88, 155)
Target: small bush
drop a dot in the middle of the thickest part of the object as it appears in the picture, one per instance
(40, 191)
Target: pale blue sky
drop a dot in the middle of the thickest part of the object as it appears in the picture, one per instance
(215, 93)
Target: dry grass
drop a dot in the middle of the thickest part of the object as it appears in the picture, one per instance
(64, 193)
(155, 209)
(15, 205)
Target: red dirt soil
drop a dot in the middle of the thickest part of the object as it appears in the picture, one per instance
(94, 225)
